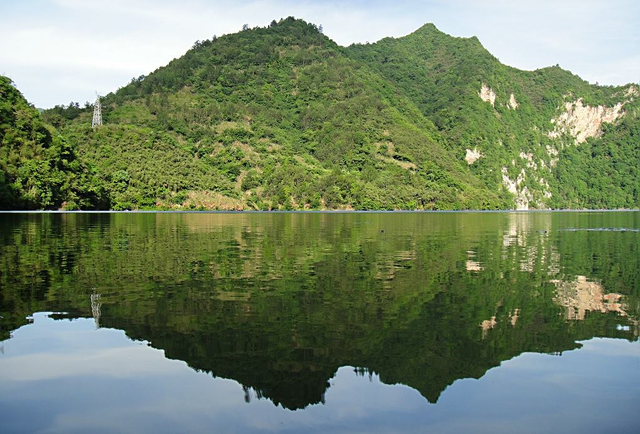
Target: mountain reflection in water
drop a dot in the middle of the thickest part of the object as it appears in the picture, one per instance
(280, 302)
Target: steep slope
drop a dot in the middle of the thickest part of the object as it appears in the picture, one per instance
(272, 118)
(283, 118)
(547, 136)
(38, 168)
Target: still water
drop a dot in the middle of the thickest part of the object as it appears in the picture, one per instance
(354, 322)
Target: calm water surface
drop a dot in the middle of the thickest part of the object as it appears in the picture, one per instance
(390, 322)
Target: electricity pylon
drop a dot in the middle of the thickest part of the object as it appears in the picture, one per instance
(97, 113)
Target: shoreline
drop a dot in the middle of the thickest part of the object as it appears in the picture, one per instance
(535, 211)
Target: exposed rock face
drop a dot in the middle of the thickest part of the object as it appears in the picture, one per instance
(472, 264)
(514, 317)
(631, 92)
(523, 196)
(545, 188)
(583, 121)
(487, 94)
(487, 325)
(472, 156)
(513, 104)
(530, 161)
(581, 296)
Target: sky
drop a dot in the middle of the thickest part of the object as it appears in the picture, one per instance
(57, 51)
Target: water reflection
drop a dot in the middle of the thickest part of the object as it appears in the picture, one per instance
(280, 302)
(581, 296)
(70, 377)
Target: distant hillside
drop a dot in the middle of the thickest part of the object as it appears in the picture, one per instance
(283, 118)
(547, 136)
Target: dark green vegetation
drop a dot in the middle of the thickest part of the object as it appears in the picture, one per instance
(38, 167)
(278, 302)
(283, 118)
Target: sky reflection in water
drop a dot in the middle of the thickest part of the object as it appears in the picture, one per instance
(81, 379)
(319, 323)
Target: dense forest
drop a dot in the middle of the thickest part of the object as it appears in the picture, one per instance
(284, 118)
(38, 167)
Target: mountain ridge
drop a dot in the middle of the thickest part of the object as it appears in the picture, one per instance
(282, 117)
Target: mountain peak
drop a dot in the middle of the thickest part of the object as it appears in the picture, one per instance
(427, 27)
(430, 30)
(281, 117)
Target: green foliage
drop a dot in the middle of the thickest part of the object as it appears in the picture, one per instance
(603, 172)
(38, 168)
(443, 75)
(269, 118)
(61, 114)
(283, 118)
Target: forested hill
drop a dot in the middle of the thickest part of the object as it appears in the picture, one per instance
(547, 136)
(39, 168)
(283, 118)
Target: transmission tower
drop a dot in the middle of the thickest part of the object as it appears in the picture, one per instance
(97, 113)
(95, 308)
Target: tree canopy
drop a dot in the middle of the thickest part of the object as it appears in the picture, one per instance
(282, 117)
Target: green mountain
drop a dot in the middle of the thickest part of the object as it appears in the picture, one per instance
(283, 118)
(547, 136)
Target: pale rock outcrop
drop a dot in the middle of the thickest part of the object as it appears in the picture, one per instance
(531, 164)
(523, 195)
(582, 296)
(487, 325)
(631, 92)
(510, 185)
(487, 94)
(514, 317)
(513, 104)
(545, 188)
(473, 155)
(530, 161)
(553, 153)
(472, 264)
(523, 199)
(583, 121)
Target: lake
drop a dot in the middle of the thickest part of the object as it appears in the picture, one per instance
(320, 322)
